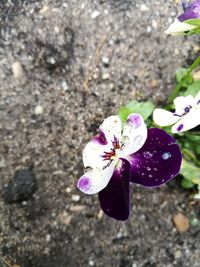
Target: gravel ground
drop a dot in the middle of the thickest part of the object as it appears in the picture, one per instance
(64, 66)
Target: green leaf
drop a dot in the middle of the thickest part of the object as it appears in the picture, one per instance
(190, 171)
(193, 89)
(195, 22)
(143, 108)
(187, 184)
(180, 73)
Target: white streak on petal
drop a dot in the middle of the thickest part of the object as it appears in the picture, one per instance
(94, 181)
(178, 27)
(189, 121)
(92, 155)
(164, 118)
(111, 127)
(134, 134)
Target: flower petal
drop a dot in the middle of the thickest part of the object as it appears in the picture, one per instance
(164, 118)
(178, 27)
(158, 161)
(114, 199)
(191, 11)
(92, 154)
(112, 127)
(134, 134)
(183, 104)
(189, 121)
(197, 99)
(94, 180)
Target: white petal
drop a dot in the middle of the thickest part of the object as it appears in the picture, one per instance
(164, 118)
(94, 181)
(134, 134)
(179, 27)
(197, 98)
(92, 155)
(183, 102)
(189, 121)
(112, 127)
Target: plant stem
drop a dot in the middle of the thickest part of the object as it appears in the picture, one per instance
(184, 79)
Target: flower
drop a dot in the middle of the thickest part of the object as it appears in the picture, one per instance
(185, 117)
(189, 20)
(119, 156)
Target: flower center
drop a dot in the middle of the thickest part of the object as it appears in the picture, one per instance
(114, 153)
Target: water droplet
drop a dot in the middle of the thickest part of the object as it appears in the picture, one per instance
(155, 169)
(148, 168)
(166, 155)
(150, 176)
(147, 154)
(142, 174)
(163, 180)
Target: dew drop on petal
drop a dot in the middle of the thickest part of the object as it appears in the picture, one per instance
(150, 176)
(166, 155)
(147, 154)
(148, 168)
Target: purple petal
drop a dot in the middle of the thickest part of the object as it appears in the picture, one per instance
(114, 199)
(101, 138)
(191, 11)
(158, 161)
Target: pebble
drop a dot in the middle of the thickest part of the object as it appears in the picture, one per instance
(105, 60)
(143, 7)
(38, 110)
(17, 70)
(68, 190)
(64, 85)
(75, 198)
(48, 238)
(177, 254)
(77, 208)
(181, 222)
(91, 263)
(105, 76)
(21, 187)
(95, 14)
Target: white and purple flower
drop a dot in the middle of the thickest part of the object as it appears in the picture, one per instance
(188, 21)
(120, 155)
(185, 117)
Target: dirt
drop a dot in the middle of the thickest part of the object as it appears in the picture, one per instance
(64, 67)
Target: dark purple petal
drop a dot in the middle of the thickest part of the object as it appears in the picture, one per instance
(101, 138)
(158, 161)
(114, 199)
(191, 11)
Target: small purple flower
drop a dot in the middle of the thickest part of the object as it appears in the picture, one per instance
(185, 117)
(191, 10)
(188, 20)
(132, 154)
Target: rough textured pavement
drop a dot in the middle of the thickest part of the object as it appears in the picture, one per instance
(64, 67)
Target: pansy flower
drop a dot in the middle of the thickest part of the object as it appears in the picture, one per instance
(120, 155)
(185, 117)
(188, 21)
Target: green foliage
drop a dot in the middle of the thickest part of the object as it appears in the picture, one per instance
(183, 77)
(192, 89)
(143, 108)
(195, 22)
(191, 174)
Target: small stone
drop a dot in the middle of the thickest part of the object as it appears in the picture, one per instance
(143, 7)
(44, 9)
(105, 76)
(153, 83)
(95, 14)
(64, 85)
(177, 254)
(68, 190)
(65, 218)
(75, 198)
(2, 162)
(17, 70)
(91, 263)
(181, 222)
(77, 208)
(38, 110)
(100, 215)
(154, 24)
(48, 238)
(21, 187)
(105, 61)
